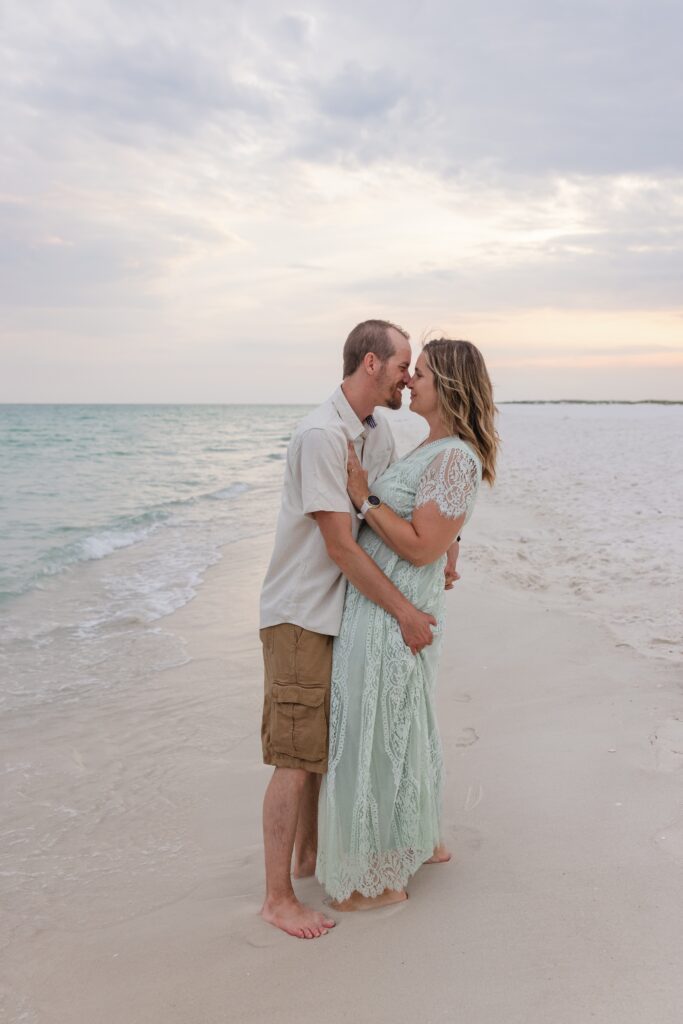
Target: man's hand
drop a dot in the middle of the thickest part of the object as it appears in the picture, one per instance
(416, 629)
(451, 574)
(367, 577)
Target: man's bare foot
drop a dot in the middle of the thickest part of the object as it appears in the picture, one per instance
(304, 868)
(441, 855)
(296, 918)
(357, 901)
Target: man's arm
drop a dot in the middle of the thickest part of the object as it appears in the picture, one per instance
(367, 577)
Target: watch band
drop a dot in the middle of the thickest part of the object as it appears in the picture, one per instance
(372, 501)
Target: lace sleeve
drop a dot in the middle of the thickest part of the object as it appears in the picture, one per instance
(450, 481)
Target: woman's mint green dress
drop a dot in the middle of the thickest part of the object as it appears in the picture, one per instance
(380, 802)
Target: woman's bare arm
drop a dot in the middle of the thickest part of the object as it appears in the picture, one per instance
(421, 541)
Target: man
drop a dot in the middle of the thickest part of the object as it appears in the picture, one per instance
(302, 601)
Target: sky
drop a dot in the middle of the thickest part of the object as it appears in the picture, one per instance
(199, 201)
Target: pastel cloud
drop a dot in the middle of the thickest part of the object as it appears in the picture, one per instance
(188, 182)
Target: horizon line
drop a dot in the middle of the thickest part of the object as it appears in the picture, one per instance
(508, 401)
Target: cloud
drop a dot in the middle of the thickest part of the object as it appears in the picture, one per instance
(121, 88)
(592, 88)
(201, 170)
(358, 93)
(295, 30)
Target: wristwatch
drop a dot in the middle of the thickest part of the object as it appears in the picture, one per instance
(372, 501)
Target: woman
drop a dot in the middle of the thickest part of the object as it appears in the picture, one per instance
(379, 811)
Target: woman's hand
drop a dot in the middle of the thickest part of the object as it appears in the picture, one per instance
(357, 482)
(451, 574)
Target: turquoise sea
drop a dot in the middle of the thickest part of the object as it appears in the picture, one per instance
(110, 515)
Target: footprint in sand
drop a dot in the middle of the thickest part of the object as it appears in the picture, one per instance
(667, 745)
(475, 795)
(467, 737)
(463, 835)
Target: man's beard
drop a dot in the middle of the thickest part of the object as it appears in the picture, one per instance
(394, 399)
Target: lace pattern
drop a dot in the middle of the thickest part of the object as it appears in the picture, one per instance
(451, 482)
(380, 801)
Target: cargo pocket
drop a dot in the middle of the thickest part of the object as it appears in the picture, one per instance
(298, 724)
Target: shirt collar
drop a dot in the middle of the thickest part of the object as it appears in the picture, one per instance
(348, 416)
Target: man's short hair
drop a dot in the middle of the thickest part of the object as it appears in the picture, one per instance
(370, 336)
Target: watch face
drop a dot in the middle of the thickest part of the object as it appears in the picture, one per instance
(374, 500)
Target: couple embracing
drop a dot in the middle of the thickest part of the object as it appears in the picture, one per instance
(351, 622)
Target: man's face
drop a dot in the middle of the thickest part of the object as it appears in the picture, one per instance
(393, 375)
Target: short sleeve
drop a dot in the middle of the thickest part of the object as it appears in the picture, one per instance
(323, 473)
(451, 481)
(393, 453)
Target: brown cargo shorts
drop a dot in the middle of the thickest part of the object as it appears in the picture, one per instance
(296, 705)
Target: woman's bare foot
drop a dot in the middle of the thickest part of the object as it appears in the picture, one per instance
(441, 855)
(296, 918)
(357, 901)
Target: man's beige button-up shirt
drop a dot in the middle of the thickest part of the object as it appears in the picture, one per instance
(303, 585)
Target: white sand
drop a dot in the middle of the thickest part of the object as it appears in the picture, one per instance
(563, 808)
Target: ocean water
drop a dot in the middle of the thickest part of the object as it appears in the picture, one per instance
(109, 517)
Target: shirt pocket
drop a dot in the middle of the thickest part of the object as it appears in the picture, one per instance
(298, 720)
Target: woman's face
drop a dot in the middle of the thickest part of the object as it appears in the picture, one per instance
(423, 397)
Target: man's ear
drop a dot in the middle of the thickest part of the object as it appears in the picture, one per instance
(370, 363)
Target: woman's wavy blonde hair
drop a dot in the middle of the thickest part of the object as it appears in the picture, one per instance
(465, 396)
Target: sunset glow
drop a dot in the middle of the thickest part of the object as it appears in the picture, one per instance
(183, 192)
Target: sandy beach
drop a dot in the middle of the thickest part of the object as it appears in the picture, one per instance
(563, 749)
